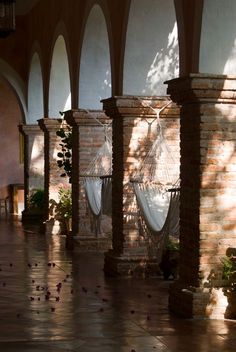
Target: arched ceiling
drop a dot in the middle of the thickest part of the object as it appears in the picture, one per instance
(24, 6)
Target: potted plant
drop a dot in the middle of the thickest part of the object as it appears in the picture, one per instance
(35, 207)
(169, 264)
(63, 208)
(229, 274)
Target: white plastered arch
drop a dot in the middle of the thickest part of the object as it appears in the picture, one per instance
(35, 91)
(59, 85)
(16, 82)
(152, 50)
(218, 38)
(95, 64)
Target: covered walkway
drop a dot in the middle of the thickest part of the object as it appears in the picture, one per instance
(54, 300)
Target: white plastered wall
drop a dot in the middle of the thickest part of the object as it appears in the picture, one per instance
(95, 67)
(59, 87)
(151, 51)
(218, 37)
(35, 91)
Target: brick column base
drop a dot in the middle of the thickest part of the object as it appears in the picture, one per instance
(130, 265)
(197, 302)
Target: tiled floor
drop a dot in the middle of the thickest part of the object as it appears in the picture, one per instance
(54, 300)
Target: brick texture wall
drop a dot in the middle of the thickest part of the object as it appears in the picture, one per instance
(208, 181)
(88, 137)
(134, 131)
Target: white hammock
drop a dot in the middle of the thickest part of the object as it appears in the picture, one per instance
(158, 216)
(98, 188)
(156, 188)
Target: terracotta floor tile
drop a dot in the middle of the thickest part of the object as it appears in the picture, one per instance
(55, 300)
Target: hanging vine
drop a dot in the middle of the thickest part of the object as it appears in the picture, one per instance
(65, 154)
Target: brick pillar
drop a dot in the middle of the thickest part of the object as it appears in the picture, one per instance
(208, 187)
(88, 137)
(52, 178)
(33, 161)
(134, 131)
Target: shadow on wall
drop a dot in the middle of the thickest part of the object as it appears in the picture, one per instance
(164, 65)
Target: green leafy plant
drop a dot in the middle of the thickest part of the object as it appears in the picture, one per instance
(63, 208)
(173, 246)
(229, 267)
(65, 155)
(36, 199)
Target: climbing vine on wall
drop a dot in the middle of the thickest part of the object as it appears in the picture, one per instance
(65, 154)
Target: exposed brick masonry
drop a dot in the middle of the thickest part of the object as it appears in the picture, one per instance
(134, 131)
(88, 137)
(208, 183)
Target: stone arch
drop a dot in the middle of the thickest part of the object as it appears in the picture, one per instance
(218, 26)
(95, 63)
(59, 84)
(151, 52)
(35, 90)
(16, 83)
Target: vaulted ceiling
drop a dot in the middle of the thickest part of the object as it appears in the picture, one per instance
(24, 6)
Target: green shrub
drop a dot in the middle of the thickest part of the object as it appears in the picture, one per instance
(36, 199)
(65, 155)
(229, 267)
(63, 207)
